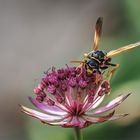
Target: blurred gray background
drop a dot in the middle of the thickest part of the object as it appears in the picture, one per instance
(38, 34)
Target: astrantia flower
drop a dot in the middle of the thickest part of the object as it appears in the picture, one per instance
(70, 97)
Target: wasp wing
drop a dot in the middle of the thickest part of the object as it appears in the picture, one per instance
(122, 49)
(97, 34)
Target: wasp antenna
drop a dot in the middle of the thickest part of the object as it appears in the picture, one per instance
(122, 49)
(97, 34)
(77, 61)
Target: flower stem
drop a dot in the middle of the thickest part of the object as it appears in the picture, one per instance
(77, 133)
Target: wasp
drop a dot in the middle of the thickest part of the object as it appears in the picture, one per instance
(99, 60)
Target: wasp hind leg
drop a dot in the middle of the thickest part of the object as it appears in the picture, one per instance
(111, 71)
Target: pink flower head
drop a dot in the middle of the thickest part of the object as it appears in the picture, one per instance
(70, 97)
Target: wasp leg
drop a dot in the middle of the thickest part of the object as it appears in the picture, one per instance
(81, 66)
(111, 71)
(98, 78)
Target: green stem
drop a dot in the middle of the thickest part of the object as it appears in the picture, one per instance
(77, 132)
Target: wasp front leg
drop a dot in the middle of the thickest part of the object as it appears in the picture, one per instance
(81, 66)
(82, 63)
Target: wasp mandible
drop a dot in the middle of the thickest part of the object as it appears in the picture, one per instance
(98, 60)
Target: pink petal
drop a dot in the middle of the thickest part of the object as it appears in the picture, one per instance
(62, 122)
(98, 119)
(54, 110)
(118, 116)
(96, 103)
(75, 121)
(97, 99)
(41, 116)
(114, 103)
(68, 96)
